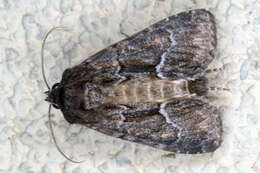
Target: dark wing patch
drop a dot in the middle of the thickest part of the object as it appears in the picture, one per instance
(80, 116)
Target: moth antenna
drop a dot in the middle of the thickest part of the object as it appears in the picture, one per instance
(121, 32)
(55, 142)
(42, 51)
(218, 89)
(214, 70)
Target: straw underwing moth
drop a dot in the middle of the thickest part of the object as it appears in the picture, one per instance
(149, 88)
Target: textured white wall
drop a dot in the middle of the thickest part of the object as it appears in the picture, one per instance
(25, 144)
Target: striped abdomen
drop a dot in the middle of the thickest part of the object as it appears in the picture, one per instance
(143, 91)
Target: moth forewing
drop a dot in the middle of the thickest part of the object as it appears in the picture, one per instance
(149, 88)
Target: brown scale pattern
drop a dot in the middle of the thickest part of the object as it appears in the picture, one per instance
(162, 115)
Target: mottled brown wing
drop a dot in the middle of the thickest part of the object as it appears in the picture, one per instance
(179, 46)
(198, 124)
(193, 43)
(185, 125)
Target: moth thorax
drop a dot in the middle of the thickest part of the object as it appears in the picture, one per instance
(92, 96)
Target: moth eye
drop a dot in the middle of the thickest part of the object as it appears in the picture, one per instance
(55, 106)
(55, 86)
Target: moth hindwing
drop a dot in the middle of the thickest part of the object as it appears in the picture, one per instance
(149, 88)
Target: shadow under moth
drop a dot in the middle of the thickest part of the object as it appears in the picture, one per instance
(149, 88)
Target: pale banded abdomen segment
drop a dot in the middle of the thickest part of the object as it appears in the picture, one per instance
(151, 91)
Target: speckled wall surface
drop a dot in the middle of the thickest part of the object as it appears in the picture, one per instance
(25, 143)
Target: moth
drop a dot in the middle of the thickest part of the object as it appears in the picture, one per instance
(149, 88)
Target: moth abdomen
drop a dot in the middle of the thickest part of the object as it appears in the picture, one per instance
(145, 90)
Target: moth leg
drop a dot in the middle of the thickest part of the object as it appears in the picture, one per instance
(214, 70)
(124, 34)
(218, 89)
(121, 32)
(170, 155)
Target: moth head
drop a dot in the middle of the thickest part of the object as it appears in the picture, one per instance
(53, 96)
(198, 86)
